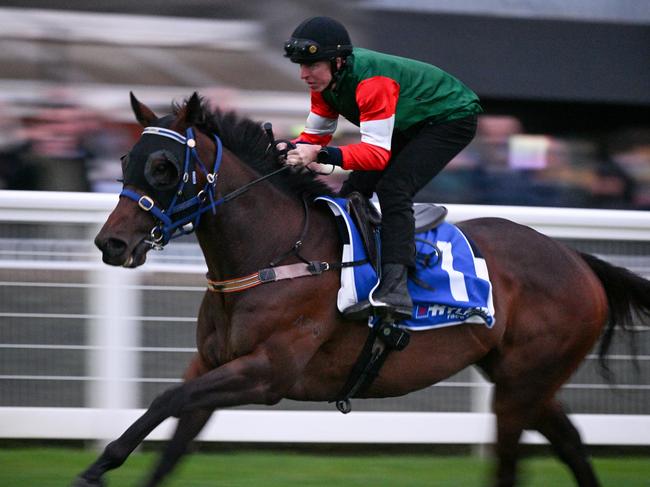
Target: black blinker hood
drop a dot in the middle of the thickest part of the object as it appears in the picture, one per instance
(134, 173)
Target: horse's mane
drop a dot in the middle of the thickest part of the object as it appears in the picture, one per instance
(248, 141)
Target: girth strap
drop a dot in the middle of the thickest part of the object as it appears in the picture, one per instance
(383, 338)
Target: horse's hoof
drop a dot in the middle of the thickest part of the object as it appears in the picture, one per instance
(82, 482)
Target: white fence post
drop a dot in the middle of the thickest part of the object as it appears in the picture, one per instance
(481, 395)
(114, 334)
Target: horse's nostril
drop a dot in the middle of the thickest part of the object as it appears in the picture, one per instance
(114, 247)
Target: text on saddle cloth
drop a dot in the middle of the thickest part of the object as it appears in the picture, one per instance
(451, 285)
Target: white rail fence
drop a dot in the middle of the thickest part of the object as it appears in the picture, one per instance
(112, 362)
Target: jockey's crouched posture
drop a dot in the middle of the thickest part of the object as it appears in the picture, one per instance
(413, 118)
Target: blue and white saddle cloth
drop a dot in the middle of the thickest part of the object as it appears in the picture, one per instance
(458, 285)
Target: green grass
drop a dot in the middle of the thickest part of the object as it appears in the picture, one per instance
(44, 467)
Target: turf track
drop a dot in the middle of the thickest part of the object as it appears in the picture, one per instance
(44, 467)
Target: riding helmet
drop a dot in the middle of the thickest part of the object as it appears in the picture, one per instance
(318, 39)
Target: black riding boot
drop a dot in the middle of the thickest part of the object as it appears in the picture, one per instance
(390, 298)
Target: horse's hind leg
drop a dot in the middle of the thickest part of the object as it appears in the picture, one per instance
(189, 425)
(565, 440)
(517, 405)
(511, 421)
(551, 421)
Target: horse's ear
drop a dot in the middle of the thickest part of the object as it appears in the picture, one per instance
(193, 110)
(143, 114)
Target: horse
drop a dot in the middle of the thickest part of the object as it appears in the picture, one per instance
(258, 344)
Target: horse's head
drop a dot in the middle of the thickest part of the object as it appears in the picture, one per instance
(167, 187)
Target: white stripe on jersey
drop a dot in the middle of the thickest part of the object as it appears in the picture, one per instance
(378, 132)
(317, 125)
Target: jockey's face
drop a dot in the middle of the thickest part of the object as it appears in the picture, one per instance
(317, 75)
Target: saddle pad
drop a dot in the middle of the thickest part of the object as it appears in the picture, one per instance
(451, 284)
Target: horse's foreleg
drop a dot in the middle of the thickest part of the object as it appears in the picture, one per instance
(189, 425)
(116, 452)
(554, 424)
(246, 380)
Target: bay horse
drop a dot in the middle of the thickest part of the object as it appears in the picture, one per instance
(286, 339)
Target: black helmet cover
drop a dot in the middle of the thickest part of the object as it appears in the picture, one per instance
(318, 39)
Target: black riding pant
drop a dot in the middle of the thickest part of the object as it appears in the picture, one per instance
(414, 163)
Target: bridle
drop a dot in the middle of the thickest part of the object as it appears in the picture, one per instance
(168, 228)
(183, 217)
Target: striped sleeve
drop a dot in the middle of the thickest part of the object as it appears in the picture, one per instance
(321, 122)
(377, 100)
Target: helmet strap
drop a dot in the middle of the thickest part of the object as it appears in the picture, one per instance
(336, 71)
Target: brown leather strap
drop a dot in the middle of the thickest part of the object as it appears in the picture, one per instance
(269, 274)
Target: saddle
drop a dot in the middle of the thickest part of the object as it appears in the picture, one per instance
(368, 220)
(449, 284)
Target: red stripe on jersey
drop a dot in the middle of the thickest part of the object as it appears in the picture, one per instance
(377, 98)
(320, 107)
(364, 157)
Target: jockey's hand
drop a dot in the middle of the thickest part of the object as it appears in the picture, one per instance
(280, 150)
(302, 155)
(280, 146)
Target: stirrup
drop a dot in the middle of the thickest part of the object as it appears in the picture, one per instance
(391, 312)
(358, 311)
(364, 309)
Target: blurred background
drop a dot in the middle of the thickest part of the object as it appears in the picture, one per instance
(566, 92)
(565, 87)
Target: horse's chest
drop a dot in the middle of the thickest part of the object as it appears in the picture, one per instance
(220, 338)
(227, 344)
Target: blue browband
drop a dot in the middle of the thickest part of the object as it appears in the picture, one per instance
(167, 227)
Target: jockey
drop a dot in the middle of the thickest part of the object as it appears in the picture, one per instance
(413, 118)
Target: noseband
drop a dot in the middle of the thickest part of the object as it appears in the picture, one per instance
(168, 228)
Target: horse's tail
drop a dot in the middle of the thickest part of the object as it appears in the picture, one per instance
(628, 296)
